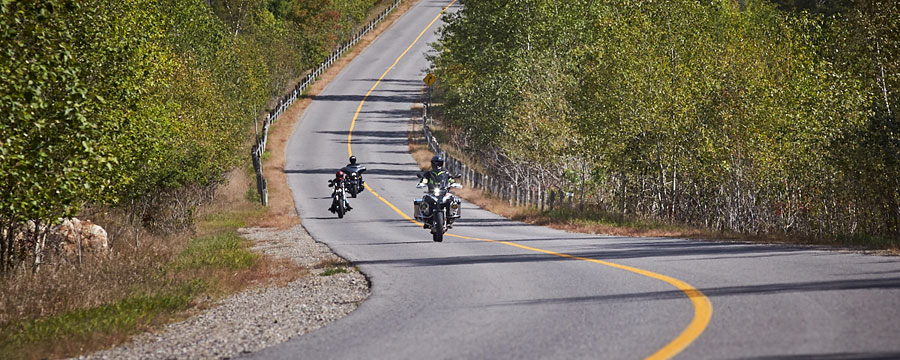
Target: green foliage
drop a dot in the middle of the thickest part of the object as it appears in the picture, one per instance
(749, 118)
(106, 102)
(77, 102)
(125, 316)
(225, 251)
(333, 270)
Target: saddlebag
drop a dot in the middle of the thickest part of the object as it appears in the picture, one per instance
(455, 208)
(417, 209)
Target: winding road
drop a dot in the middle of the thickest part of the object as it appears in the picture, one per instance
(499, 289)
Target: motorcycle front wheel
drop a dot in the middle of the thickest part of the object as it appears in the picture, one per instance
(437, 230)
(340, 208)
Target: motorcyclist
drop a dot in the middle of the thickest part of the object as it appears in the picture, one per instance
(436, 174)
(433, 178)
(353, 167)
(338, 181)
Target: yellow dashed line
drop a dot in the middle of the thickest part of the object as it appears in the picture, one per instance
(702, 305)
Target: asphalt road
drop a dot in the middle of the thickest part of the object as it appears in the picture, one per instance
(537, 293)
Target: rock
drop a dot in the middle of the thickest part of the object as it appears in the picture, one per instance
(71, 232)
(95, 237)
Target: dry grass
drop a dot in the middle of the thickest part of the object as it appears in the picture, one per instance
(140, 265)
(331, 266)
(595, 223)
(99, 280)
(331, 262)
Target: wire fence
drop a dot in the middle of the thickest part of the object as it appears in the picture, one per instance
(285, 101)
(537, 195)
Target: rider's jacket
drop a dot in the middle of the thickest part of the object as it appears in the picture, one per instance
(336, 180)
(434, 177)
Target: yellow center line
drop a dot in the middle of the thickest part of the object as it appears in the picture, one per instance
(701, 303)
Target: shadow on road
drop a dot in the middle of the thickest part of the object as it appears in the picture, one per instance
(405, 97)
(767, 289)
(834, 356)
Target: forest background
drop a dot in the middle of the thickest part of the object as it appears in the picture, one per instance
(759, 117)
(132, 114)
(751, 117)
(142, 105)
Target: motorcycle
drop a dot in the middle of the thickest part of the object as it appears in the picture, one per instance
(355, 183)
(339, 203)
(439, 208)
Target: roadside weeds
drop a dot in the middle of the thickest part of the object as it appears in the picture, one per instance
(182, 274)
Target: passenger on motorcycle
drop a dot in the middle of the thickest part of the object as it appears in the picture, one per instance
(338, 178)
(338, 181)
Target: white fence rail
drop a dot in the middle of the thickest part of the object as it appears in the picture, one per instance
(540, 196)
(284, 102)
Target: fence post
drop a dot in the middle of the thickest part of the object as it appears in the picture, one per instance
(261, 188)
(288, 99)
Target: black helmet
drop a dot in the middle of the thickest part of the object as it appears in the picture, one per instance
(437, 162)
(352, 160)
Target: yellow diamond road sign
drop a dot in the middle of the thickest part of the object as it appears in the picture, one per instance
(429, 79)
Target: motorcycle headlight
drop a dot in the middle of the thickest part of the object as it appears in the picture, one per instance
(436, 191)
(353, 174)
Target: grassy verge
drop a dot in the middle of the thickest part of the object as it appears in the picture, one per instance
(69, 333)
(213, 263)
(151, 280)
(332, 266)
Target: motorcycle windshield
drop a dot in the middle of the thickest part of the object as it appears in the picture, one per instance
(350, 169)
(440, 186)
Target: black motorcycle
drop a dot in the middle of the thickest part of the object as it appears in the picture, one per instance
(355, 183)
(438, 209)
(339, 204)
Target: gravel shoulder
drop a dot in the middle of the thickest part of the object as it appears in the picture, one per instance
(258, 318)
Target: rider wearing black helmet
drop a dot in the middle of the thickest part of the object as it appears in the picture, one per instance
(358, 169)
(437, 173)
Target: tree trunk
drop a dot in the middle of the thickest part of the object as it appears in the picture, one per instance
(7, 234)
